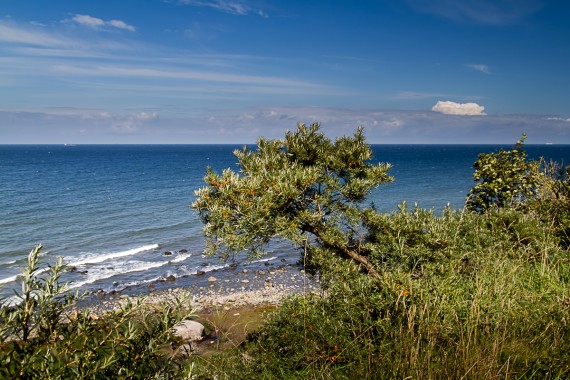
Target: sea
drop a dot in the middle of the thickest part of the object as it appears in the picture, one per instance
(121, 216)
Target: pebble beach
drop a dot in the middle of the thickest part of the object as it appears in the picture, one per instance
(244, 289)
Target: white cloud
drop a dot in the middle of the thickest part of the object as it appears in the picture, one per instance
(480, 67)
(94, 22)
(463, 109)
(88, 21)
(121, 25)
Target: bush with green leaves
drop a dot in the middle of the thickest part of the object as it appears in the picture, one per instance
(44, 335)
(504, 178)
(508, 179)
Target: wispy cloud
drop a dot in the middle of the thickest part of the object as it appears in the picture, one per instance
(188, 74)
(491, 12)
(97, 23)
(30, 36)
(479, 67)
(567, 120)
(231, 7)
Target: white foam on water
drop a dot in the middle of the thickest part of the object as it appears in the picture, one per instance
(209, 268)
(264, 260)
(180, 258)
(114, 255)
(7, 280)
(14, 278)
(101, 273)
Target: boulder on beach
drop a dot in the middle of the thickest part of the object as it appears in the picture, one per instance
(189, 331)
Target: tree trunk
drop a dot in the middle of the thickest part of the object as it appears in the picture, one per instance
(345, 251)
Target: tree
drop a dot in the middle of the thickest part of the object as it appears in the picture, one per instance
(505, 178)
(304, 188)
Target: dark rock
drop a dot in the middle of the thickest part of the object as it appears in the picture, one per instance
(167, 253)
(171, 278)
(183, 251)
(200, 272)
(84, 272)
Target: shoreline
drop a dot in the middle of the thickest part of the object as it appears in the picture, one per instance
(245, 289)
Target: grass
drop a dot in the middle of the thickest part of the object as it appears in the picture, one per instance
(460, 296)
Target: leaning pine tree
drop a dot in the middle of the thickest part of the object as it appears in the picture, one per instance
(304, 188)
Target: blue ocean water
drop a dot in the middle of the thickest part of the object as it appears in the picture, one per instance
(113, 211)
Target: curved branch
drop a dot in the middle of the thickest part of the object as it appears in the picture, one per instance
(345, 251)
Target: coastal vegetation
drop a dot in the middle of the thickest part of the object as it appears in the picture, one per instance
(44, 334)
(477, 293)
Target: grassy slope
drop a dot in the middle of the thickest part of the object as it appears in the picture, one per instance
(460, 296)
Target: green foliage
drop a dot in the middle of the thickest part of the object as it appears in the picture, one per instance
(44, 336)
(487, 297)
(303, 184)
(552, 201)
(507, 178)
(504, 179)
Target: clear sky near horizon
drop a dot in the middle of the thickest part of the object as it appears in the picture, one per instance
(228, 71)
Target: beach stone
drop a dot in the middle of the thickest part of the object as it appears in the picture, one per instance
(261, 273)
(171, 278)
(246, 281)
(167, 253)
(183, 251)
(200, 272)
(189, 331)
(212, 279)
(245, 271)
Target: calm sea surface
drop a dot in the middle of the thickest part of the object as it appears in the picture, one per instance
(112, 211)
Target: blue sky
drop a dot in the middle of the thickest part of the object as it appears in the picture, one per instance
(228, 71)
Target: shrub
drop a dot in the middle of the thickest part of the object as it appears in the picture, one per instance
(45, 336)
(504, 179)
